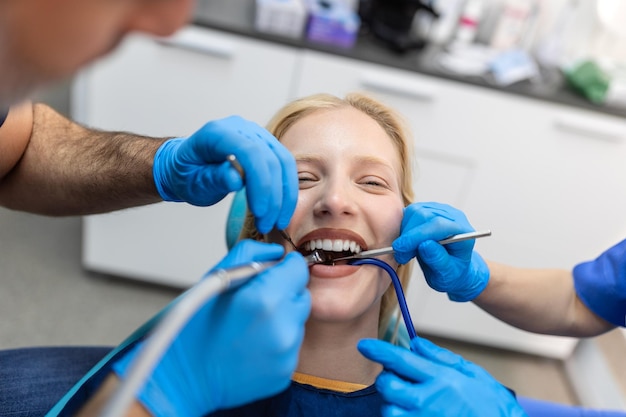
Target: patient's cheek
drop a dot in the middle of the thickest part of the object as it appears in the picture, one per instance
(395, 221)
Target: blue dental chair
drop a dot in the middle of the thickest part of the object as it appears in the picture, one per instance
(60, 379)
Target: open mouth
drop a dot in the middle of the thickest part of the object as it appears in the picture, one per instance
(330, 249)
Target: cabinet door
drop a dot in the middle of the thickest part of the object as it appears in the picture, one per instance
(546, 179)
(172, 87)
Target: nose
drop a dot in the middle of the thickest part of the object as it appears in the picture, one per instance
(335, 199)
(161, 17)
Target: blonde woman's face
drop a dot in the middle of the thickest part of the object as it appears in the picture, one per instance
(350, 196)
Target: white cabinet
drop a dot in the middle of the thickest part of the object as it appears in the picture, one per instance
(546, 179)
(172, 87)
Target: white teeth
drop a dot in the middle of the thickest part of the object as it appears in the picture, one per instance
(333, 245)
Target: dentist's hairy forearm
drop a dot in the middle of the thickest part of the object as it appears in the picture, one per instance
(98, 402)
(67, 169)
(538, 300)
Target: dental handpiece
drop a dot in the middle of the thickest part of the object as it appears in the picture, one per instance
(318, 256)
(166, 330)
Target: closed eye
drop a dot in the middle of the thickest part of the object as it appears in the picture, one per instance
(306, 179)
(374, 182)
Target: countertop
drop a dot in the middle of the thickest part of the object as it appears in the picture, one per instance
(237, 17)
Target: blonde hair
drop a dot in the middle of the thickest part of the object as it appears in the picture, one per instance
(393, 124)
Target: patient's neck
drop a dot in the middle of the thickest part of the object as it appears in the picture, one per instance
(329, 350)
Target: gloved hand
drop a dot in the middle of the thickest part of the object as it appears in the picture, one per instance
(195, 170)
(241, 346)
(601, 284)
(431, 381)
(454, 268)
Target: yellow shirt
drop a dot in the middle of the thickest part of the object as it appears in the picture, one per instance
(329, 384)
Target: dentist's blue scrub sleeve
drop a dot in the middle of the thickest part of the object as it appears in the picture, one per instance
(3, 116)
(601, 284)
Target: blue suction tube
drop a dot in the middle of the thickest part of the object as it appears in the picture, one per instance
(397, 285)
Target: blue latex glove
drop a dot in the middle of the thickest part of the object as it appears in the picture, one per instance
(454, 268)
(195, 170)
(431, 381)
(601, 284)
(239, 347)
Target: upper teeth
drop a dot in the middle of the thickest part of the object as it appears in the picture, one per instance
(334, 245)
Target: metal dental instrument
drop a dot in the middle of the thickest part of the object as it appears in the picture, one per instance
(235, 164)
(318, 257)
(465, 236)
(287, 238)
(313, 258)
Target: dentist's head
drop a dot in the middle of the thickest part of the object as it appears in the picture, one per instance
(42, 41)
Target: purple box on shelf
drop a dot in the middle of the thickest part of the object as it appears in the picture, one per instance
(332, 23)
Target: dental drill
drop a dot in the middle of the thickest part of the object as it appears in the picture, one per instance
(166, 330)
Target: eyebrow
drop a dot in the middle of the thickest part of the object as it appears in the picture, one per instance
(374, 160)
(307, 158)
(369, 159)
(363, 159)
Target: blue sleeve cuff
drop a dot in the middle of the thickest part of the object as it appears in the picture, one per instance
(160, 174)
(601, 284)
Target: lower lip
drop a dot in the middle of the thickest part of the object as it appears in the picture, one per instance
(332, 271)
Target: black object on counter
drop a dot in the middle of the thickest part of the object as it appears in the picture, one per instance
(392, 22)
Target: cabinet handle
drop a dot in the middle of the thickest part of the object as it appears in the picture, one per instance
(195, 42)
(612, 132)
(397, 86)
